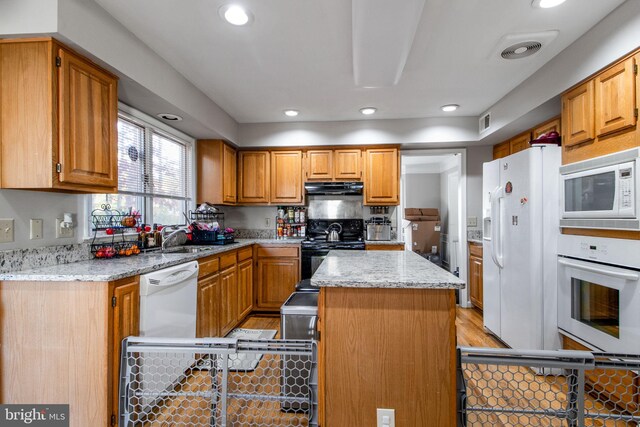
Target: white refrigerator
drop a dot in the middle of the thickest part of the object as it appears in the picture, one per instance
(520, 231)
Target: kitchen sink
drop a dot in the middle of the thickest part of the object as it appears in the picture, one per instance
(186, 250)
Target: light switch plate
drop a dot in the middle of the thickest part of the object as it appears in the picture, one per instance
(36, 229)
(62, 232)
(6, 230)
(472, 221)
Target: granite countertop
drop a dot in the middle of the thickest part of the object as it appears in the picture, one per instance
(382, 269)
(106, 270)
(384, 242)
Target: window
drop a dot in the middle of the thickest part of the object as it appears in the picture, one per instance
(154, 173)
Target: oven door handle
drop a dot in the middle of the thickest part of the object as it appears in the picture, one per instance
(594, 269)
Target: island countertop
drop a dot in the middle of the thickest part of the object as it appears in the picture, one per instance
(382, 269)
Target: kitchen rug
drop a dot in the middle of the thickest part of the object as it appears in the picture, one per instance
(247, 362)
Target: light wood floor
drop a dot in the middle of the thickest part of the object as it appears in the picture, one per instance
(507, 387)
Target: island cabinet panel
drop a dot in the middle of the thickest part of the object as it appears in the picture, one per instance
(387, 348)
(348, 164)
(374, 247)
(253, 177)
(319, 165)
(382, 179)
(286, 177)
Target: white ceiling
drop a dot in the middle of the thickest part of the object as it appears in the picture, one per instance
(298, 54)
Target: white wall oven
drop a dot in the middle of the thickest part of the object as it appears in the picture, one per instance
(599, 292)
(602, 192)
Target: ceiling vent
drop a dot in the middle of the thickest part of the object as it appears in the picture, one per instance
(521, 50)
(485, 122)
(522, 45)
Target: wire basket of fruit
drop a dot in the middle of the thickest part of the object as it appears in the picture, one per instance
(113, 220)
(114, 249)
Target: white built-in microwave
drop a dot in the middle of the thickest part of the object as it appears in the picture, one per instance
(602, 192)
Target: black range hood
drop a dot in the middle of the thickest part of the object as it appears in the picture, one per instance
(333, 188)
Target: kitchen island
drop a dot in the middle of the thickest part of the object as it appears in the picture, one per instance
(387, 339)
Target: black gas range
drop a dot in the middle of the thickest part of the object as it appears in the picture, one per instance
(316, 247)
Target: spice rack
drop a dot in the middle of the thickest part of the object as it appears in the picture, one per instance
(291, 222)
(114, 223)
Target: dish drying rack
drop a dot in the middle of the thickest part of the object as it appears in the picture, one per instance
(209, 237)
(114, 223)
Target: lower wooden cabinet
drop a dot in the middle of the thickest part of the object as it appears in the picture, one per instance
(228, 300)
(278, 272)
(245, 288)
(208, 316)
(475, 274)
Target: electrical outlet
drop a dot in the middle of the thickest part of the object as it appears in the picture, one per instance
(386, 417)
(6, 230)
(472, 221)
(36, 229)
(268, 221)
(63, 232)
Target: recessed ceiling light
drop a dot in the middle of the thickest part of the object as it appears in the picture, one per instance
(291, 113)
(450, 107)
(367, 111)
(235, 14)
(170, 117)
(545, 4)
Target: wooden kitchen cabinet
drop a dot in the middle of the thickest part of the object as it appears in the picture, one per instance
(520, 142)
(216, 172)
(245, 288)
(229, 300)
(126, 322)
(552, 125)
(347, 164)
(278, 271)
(208, 314)
(253, 177)
(475, 274)
(381, 177)
(578, 115)
(58, 119)
(599, 115)
(286, 177)
(319, 165)
(615, 98)
(501, 150)
(374, 247)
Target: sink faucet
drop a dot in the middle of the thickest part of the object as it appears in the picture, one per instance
(165, 240)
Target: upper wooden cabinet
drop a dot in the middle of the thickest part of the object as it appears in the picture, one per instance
(520, 142)
(334, 165)
(286, 177)
(552, 125)
(216, 172)
(615, 104)
(347, 164)
(253, 177)
(578, 115)
(319, 165)
(381, 176)
(599, 116)
(501, 150)
(58, 119)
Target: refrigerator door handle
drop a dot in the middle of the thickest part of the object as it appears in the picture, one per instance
(496, 236)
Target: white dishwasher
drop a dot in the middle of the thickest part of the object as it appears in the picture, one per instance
(168, 303)
(168, 300)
